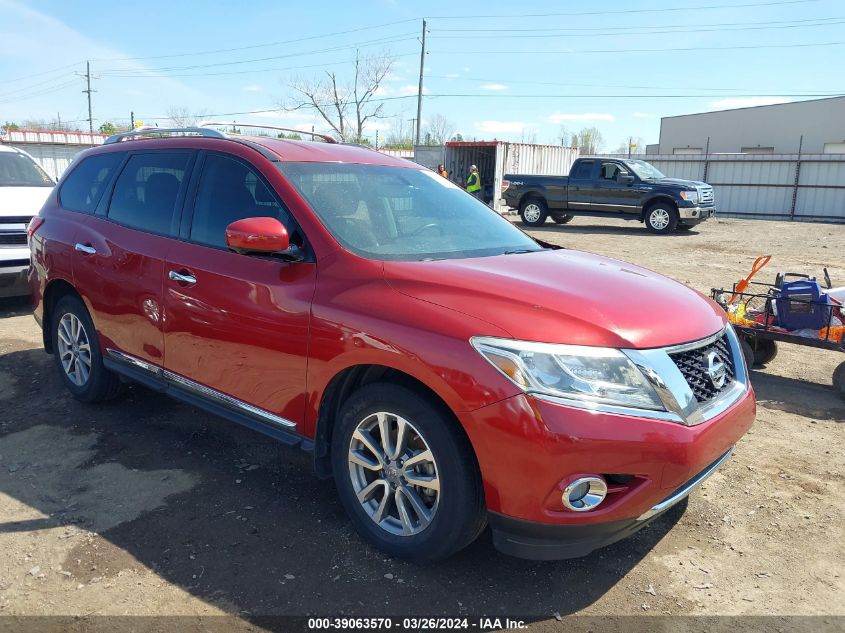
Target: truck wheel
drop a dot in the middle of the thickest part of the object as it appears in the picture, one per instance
(406, 475)
(533, 212)
(839, 380)
(562, 219)
(661, 218)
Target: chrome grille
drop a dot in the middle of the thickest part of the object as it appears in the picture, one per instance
(705, 196)
(12, 239)
(13, 230)
(693, 364)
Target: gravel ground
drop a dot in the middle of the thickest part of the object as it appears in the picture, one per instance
(146, 506)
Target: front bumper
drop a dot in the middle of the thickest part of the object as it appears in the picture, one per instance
(13, 280)
(541, 541)
(691, 215)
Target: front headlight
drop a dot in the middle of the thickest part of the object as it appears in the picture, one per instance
(690, 196)
(589, 376)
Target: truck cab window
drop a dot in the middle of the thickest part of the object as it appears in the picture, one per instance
(609, 170)
(583, 170)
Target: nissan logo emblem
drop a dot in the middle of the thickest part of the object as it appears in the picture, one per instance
(716, 370)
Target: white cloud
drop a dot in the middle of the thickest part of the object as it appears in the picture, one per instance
(284, 115)
(452, 75)
(746, 102)
(253, 88)
(494, 87)
(500, 127)
(391, 76)
(645, 115)
(410, 89)
(560, 117)
(381, 91)
(467, 69)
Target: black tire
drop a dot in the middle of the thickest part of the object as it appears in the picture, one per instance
(459, 515)
(765, 351)
(100, 384)
(839, 380)
(684, 227)
(536, 210)
(747, 352)
(562, 219)
(661, 218)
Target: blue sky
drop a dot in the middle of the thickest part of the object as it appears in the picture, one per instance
(522, 70)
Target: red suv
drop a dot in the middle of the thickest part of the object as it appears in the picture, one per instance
(445, 368)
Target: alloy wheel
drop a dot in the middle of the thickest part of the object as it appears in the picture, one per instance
(394, 474)
(659, 219)
(74, 349)
(532, 212)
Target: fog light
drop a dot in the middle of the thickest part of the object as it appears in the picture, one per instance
(584, 494)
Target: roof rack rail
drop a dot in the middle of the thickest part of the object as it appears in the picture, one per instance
(158, 131)
(325, 137)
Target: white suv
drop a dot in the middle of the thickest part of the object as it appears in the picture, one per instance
(24, 187)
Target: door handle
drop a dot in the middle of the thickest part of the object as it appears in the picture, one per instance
(188, 280)
(83, 248)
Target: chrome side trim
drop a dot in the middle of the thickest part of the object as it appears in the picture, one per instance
(686, 489)
(201, 390)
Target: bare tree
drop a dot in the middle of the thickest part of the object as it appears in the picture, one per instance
(590, 140)
(567, 137)
(182, 117)
(632, 144)
(401, 133)
(345, 106)
(438, 130)
(528, 135)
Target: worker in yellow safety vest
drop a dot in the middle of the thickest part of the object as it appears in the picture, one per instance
(473, 185)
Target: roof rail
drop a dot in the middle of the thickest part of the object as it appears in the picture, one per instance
(157, 131)
(325, 137)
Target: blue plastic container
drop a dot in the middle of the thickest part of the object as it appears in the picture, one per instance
(801, 305)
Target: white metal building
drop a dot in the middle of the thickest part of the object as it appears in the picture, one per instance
(809, 127)
(52, 150)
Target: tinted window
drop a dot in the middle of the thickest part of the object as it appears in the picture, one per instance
(400, 213)
(19, 170)
(609, 170)
(584, 170)
(146, 191)
(82, 189)
(230, 191)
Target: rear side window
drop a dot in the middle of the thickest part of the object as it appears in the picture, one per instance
(82, 189)
(147, 189)
(583, 171)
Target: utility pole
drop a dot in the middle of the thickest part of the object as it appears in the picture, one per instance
(88, 91)
(131, 120)
(630, 140)
(420, 89)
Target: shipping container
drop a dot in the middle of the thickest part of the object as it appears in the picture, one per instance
(494, 159)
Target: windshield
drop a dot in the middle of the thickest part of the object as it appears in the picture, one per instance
(399, 213)
(19, 170)
(645, 170)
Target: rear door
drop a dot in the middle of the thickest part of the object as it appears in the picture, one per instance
(580, 187)
(121, 250)
(612, 196)
(237, 325)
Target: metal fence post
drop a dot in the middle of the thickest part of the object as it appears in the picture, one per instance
(706, 160)
(797, 176)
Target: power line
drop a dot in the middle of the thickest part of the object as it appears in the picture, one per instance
(617, 11)
(46, 72)
(669, 29)
(511, 51)
(38, 93)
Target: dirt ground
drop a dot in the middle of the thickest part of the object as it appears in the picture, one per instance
(147, 506)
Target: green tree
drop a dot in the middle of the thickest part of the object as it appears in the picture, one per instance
(108, 128)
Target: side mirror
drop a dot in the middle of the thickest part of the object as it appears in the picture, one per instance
(260, 235)
(624, 179)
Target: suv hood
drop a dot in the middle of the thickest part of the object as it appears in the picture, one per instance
(16, 201)
(680, 183)
(564, 296)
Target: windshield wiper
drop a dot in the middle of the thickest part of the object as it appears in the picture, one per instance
(519, 251)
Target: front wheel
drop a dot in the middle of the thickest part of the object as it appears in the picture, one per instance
(405, 474)
(533, 212)
(77, 353)
(662, 218)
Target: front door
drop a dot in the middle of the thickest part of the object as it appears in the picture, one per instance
(237, 325)
(611, 195)
(121, 250)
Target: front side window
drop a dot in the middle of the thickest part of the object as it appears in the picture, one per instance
(82, 189)
(147, 189)
(230, 191)
(400, 213)
(19, 170)
(609, 170)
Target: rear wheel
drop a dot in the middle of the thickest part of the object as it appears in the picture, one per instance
(765, 351)
(839, 380)
(533, 212)
(405, 474)
(562, 219)
(77, 353)
(661, 218)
